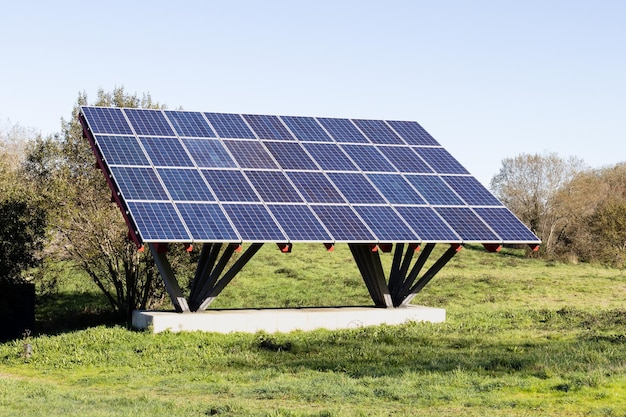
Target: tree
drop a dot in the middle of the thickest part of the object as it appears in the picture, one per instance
(527, 184)
(593, 205)
(89, 229)
(22, 219)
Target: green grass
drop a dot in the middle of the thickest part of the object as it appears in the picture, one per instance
(523, 338)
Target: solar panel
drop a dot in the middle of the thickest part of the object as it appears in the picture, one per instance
(306, 129)
(121, 150)
(166, 152)
(396, 189)
(218, 177)
(188, 123)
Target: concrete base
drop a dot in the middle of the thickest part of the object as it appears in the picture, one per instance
(283, 320)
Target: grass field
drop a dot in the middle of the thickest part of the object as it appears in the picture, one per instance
(523, 337)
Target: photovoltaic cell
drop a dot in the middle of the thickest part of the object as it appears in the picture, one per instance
(315, 187)
(356, 188)
(306, 129)
(342, 130)
(469, 226)
(254, 223)
(138, 183)
(434, 190)
(207, 222)
(268, 127)
(472, 191)
(386, 224)
(440, 160)
(290, 155)
(506, 225)
(343, 224)
(273, 187)
(413, 133)
(378, 132)
(166, 152)
(396, 189)
(250, 154)
(149, 122)
(230, 186)
(428, 225)
(368, 158)
(188, 123)
(230, 126)
(404, 159)
(185, 184)
(107, 120)
(209, 153)
(158, 221)
(330, 157)
(299, 223)
(121, 150)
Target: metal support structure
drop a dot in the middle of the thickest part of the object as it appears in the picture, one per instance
(402, 285)
(171, 285)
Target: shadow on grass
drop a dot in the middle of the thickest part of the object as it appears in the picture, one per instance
(67, 312)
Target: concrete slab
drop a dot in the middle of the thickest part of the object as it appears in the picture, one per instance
(283, 320)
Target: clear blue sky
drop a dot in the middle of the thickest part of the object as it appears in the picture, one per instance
(488, 79)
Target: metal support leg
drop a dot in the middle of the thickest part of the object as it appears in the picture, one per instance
(171, 285)
(432, 271)
(373, 274)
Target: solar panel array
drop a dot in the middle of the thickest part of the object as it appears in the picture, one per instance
(214, 177)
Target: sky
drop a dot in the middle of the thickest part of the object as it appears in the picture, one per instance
(489, 79)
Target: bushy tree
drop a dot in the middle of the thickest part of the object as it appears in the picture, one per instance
(527, 184)
(22, 219)
(593, 205)
(87, 227)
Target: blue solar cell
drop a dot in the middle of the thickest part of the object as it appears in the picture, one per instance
(166, 152)
(396, 189)
(427, 224)
(378, 132)
(306, 129)
(185, 184)
(386, 224)
(290, 155)
(440, 160)
(342, 130)
(207, 222)
(404, 159)
(273, 186)
(158, 222)
(138, 183)
(472, 191)
(467, 224)
(434, 190)
(315, 187)
(330, 157)
(149, 122)
(187, 123)
(230, 125)
(121, 150)
(250, 154)
(209, 153)
(299, 223)
(343, 224)
(368, 158)
(413, 133)
(107, 120)
(230, 186)
(268, 127)
(254, 223)
(506, 225)
(356, 188)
